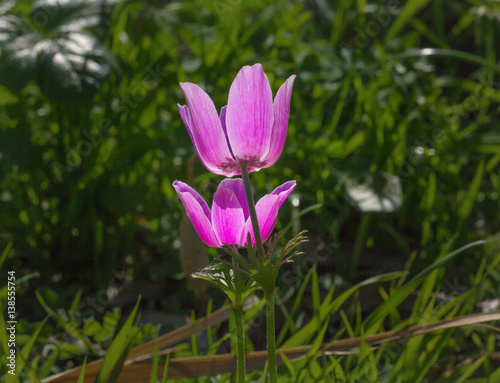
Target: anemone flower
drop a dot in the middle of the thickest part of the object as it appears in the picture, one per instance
(250, 130)
(228, 223)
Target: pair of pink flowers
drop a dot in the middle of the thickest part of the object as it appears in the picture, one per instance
(251, 131)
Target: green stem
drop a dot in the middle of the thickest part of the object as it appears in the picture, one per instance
(270, 332)
(240, 344)
(269, 285)
(251, 209)
(238, 322)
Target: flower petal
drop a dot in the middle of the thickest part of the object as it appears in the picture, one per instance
(205, 130)
(284, 190)
(249, 115)
(198, 213)
(237, 187)
(267, 212)
(281, 110)
(223, 119)
(223, 124)
(227, 216)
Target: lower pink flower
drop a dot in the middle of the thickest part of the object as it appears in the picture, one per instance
(228, 223)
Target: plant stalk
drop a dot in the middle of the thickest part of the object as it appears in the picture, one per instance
(251, 209)
(269, 285)
(238, 322)
(270, 333)
(240, 344)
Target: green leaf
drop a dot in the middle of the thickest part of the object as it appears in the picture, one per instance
(315, 297)
(118, 347)
(46, 368)
(24, 354)
(69, 326)
(494, 377)
(81, 377)
(447, 53)
(154, 369)
(55, 42)
(288, 364)
(436, 345)
(4, 336)
(117, 369)
(354, 143)
(467, 204)
(409, 10)
(6, 251)
(165, 371)
(307, 332)
(76, 301)
(376, 317)
(289, 324)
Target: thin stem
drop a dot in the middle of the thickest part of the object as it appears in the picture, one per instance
(251, 209)
(240, 344)
(238, 321)
(270, 332)
(269, 286)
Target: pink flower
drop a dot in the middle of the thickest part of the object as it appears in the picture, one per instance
(228, 223)
(250, 130)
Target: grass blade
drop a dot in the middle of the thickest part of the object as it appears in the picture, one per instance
(145, 350)
(192, 367)
(117, 347)
(165, 370)
(81, 378)
(154, 370)
(305, 334)
(375, 318)
(409, 10)
(22, 357)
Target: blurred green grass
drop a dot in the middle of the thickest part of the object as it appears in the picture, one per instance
(400, 88)
(393, 132)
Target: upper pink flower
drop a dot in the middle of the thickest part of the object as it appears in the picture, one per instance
(228, 223)
(250, 130)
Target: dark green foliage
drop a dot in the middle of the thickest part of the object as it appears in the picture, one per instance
(87, 180)
(393, 137)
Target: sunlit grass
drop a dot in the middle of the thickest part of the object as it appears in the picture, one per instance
(393, 140)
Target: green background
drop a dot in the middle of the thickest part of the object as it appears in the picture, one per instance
(393, 136)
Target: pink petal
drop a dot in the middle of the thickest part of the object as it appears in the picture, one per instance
(267, 212)
(237, 187)
(249, 115)
(284, 190)
(198, 213)
(223, 124)
(281, 110)
(223, 119)
(205, 130)
(227, 216)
